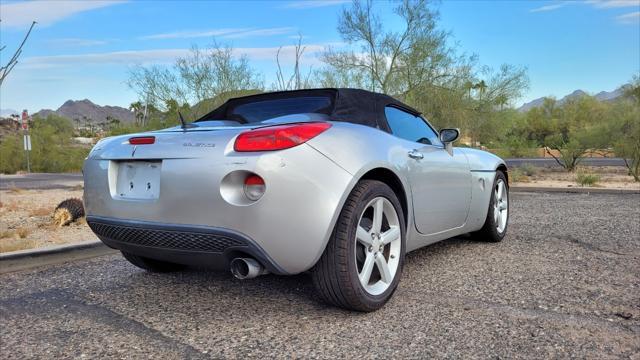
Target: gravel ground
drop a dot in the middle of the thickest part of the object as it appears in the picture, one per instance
(29, 212)
(565, 283)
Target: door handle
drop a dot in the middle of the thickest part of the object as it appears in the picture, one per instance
(415, 154)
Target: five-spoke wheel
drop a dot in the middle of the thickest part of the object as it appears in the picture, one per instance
(362, 263)
(378, 245)
(495, 225)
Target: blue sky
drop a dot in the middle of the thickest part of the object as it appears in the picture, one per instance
(83, 49)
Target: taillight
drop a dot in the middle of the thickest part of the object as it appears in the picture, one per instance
(254, 187)
(142, 140)
(278, 137)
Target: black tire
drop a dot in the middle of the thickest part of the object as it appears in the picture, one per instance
(489, 231)
(152, 264)
(335, 276)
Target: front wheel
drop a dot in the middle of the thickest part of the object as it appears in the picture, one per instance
(362, 263)
(495, 226)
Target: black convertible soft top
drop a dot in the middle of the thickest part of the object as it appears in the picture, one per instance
(342, 104)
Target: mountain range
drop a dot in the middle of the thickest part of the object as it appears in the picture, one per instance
(87, 111)
(602, 96)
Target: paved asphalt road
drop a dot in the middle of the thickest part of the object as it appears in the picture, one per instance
(564, 283)
(40, 181)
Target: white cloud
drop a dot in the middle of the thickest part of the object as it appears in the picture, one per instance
(192, 34)
(598, 4)
(261, 32)
(311, 4)
(230, 33)
(549, 7)
(608, 4)
(18, 14)
(115, 57)
(630, 18)
(132, 57)
(76, 42)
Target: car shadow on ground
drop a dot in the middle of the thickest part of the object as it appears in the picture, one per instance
(294, 292)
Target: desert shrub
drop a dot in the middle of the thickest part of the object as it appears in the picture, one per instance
(22, 232)
(52, 148)
(517, 175)
(528, 169)
(587, 179)
(516, 147)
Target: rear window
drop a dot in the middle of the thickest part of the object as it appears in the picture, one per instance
(257, 111)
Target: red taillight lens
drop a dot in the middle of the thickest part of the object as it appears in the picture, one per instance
(253, 180)
(278, 137)
(142, 140)
(254, 187)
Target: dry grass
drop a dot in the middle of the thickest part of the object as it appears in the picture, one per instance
(15, 190)
(22, 232)
(42, 211)
(12, 206)
(32, 210)
(7, 245)
(77, 187)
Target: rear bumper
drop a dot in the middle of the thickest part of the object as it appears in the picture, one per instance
(205, 246)
(292, 222)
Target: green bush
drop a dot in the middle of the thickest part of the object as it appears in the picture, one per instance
(517, 175)
(587, 179)
(52, 147)
(528, 169)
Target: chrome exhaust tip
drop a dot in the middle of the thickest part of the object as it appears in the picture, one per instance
(246, 268)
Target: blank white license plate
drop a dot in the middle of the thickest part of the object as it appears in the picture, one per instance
(139, 179)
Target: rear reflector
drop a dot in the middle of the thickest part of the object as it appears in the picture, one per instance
(278, 137)
(254, 187)
(142, 140)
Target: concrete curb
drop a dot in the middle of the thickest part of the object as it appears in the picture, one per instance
(31, 258)
(576, 190)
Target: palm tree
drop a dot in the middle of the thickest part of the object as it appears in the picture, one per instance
(468, 85)
(482, 87)
(501, 100)
(138, 110)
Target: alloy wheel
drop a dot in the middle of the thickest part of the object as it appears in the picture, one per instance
(378, 245)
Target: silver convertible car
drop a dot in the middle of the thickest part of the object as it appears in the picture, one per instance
(338, 182)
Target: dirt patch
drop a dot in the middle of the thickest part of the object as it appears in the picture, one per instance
(26, 220)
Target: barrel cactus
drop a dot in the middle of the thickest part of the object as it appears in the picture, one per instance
(68, 211)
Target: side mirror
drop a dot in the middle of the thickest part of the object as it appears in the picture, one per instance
(449, 135)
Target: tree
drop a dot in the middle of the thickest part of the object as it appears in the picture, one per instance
(579, 127)
(138, 111)
(394, 62)
(13, 60)
(202, 74)
(295, 81)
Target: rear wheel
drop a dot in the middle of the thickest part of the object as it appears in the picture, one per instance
(495, 226)
(152, 264)
(362, 263)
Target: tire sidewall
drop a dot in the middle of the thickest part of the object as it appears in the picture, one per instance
(376, 190)
(490, 216)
